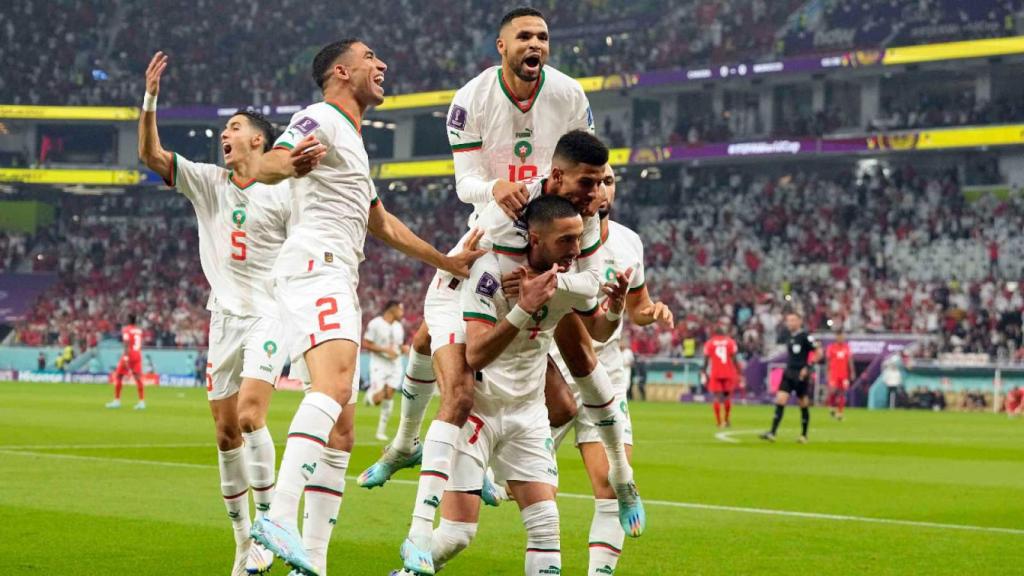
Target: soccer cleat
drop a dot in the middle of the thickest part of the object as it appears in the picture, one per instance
(767, 436)
(491, 493)
(140, 406)
(286, 543)
(113, 404)
(241, 553)
(839, 416)
(259, 560)
(801, 440)
(392, 461)
(415, 560)
(632, 516)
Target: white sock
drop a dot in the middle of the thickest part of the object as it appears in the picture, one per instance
(307, 437)
(438, 449)
(417, 389)
(599, 402)
(234, 487)
(543, 544)
(385, 415)
(606, 538)
(323, 499)
(260, 459)
(450, 538)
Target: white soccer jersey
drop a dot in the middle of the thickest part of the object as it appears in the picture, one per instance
(333, 201)
(510, 238)
(517, 374)
(621, 250)
(242, 226)
(387, 335)
(493, 136)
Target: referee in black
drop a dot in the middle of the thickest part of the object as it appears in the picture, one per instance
(796, 378)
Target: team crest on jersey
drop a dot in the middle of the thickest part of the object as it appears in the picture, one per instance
(609, 275)
(523, 149)
(488, 285)
(457, 117)
(270, 347)
(238, 216)
(306, 125)
(541, 314)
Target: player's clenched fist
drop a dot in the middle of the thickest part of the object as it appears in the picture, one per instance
(511, 196)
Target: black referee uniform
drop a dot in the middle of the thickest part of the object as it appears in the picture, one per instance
(799, 348)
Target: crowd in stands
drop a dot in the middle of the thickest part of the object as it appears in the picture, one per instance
(935, 110)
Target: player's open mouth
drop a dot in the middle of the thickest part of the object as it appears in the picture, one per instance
(227, 148)
(531, 63)
(378, 79)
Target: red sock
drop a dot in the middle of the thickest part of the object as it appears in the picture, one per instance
(138, 384)
(718, 412)
(841, 402)
(728, 408)
(118, 383)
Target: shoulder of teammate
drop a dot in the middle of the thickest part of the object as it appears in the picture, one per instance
(569, 90)
(321, 119)
(196, 180)
(494, 222)
(463, 123)
(481, 291)
(630, 238)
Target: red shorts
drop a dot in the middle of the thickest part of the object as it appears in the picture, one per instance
(720, 385)
(130, 363)
(839, 383)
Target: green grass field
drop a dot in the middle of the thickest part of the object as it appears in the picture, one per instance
(84, 490)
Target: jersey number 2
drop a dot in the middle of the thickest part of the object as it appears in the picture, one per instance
(238, 251)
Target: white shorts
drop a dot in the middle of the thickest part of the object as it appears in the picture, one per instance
(316, 307)
(512, 439)
(381, 377)
(586, 430)
(242, 347)
(442, 307)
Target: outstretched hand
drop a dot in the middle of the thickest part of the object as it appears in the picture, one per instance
(153, 72)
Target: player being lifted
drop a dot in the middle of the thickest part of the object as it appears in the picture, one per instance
(130, 363)
(722, 370)
(840, 374)
(503, 126)
(242, 225)
(507, 342)
(316, 276)
(796, 377)
(622, 262)
(384, 340)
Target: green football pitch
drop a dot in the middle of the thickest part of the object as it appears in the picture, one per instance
(85, 490)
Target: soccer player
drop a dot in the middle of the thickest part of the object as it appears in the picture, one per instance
(316, 276)
(507, 343)
(796, 377)
(622, 263)
(242, 225)
(722, 369)
(384, 340)
(840, 374)
(130, 363)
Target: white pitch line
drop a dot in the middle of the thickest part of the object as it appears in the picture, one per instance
(570, 495)
(728, 436)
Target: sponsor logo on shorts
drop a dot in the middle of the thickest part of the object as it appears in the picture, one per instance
(552, 471)
(605, 422)
(270, 347)
(457, 117)
(306, 125)
(487, 286)
(267, 368)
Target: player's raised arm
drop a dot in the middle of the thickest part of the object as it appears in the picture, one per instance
(393, 232)
(151, 153)
(285, 162)
(486, 338)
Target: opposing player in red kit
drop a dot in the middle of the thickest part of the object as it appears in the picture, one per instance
(131, 363)
(722, 370)
(840, 374)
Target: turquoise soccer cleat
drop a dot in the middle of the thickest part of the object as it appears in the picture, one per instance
(392, 461)
(284, 542)
(415, 560)
(632, 516)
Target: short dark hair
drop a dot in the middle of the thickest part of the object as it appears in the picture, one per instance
(548, 208)
(260, 122)
(326, 57)
(132, 319)
(520, 12)
(390, 304)
(581, 147)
